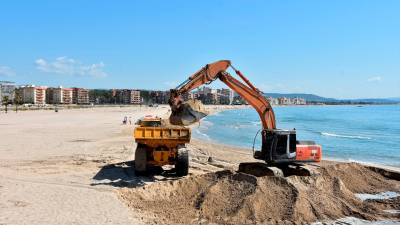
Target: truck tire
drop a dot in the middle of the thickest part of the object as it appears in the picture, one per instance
(182, 162)
(140, 160)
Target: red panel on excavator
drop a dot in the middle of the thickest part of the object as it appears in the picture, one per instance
(308, 153)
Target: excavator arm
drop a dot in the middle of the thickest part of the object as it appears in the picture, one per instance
(205, 75)
(254, 98)
(217, 70)
(278, 146)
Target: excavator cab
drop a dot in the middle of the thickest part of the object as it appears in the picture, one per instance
(281, 146)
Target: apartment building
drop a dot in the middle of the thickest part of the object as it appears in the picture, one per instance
(80, 96)
(67, 95)
(127, 96)
(299, 101)
(225, 96)
(212, 96)
(189, 96)
(135, 97)
(159, 97)
(284, 101)
(273, 101)
(7, 90)
(31, 94)
(59, 95)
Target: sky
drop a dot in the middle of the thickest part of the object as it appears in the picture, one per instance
(339, 49)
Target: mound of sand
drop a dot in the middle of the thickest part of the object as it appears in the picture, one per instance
(227, 197)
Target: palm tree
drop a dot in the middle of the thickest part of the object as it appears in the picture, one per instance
(5, 102)
(17, 101)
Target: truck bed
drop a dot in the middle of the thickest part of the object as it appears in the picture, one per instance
(167, 135)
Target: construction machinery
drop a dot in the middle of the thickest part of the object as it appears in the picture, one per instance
(278, 146)
(159, 145)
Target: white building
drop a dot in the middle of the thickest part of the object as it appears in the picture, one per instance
(7, 90)
(30, 94)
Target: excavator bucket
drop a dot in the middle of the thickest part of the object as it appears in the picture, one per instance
(188, 113)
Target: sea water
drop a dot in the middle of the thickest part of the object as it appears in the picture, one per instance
(368, 133)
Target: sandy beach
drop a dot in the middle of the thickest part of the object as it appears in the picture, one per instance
(75, 167)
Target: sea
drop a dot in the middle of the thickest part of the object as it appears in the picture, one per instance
(355, 133)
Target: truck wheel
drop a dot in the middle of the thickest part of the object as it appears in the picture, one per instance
(182, 162)
(140, 160)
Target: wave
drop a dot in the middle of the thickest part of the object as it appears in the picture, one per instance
(239, 126)
(344, 136)
(203, 135)
(205, 124)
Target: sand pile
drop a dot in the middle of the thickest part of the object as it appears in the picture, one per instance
(228, 197)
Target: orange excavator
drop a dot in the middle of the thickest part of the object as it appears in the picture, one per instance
(278, 146)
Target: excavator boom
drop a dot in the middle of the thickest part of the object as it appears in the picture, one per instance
(209, 73)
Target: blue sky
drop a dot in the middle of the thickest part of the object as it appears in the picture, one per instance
(342, 49)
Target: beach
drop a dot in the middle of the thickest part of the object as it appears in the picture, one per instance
(75, 167)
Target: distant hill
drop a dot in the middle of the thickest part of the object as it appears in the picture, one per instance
(395, 99)
(316, 98)
(307, 97)
(378, 100)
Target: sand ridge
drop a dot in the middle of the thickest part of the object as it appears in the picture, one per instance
(228, 197)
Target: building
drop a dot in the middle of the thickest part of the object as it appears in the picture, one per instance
(7, 89)
(207, 95)
(189, 96)
(225, 96)
(231, 94)
(67, 95)
(127, 96)
(299, 101)
(273, 101)
(284, 101)
(135, 97)
(238, 100)
(159, 97)
(31, 94)
(122, 96)
(80, 96)
(59, 95)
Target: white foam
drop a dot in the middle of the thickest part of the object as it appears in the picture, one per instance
(344, 136)
(239, 126)
(392, 211)
(356, 221)
(202, 134)
(379, 196)
(205, 124)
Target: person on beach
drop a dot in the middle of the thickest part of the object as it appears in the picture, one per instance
(125, 120)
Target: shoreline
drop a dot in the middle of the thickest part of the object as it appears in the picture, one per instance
(326, 159)
(11, 108)
(330, 159)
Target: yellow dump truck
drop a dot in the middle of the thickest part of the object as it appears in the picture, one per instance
(159, 145)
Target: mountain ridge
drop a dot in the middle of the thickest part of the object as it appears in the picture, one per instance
(317, 98)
